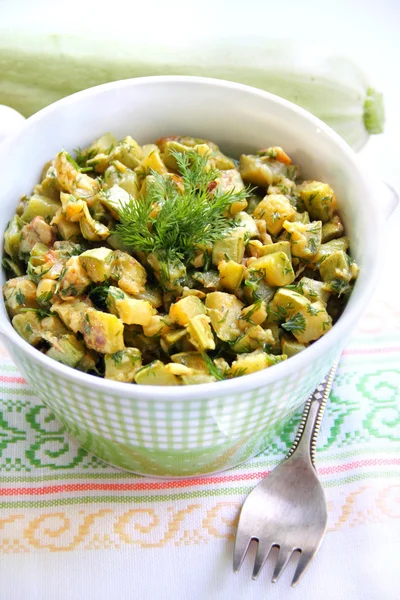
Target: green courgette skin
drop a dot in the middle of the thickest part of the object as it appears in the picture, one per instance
(38, 70)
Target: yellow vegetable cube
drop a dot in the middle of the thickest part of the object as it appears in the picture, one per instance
(156, 373)
(276, 269)
(130, 310)
(19, 293)
(123, 365)
(255, 314)
(319, 199)
(231, 274)
(224, 310)
(153, 161)
(185, 309)
(274, 209)
(200, 334)
(103, 332)
(96, 263)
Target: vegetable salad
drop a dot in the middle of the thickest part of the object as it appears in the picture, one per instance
(174, 264)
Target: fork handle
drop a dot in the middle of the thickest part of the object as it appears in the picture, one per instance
(306, 439)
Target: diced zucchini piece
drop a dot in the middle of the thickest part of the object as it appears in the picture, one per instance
(38, 263)
(128, 152)
(19, 293)
(221, 161)
(130, 310)
(152, 161)
(12, 237)
(255, 314)
(275, 268)
(193, 360)
(197, 378)
(174, 336)
(66, 350)
(246, 225)
(73, 280)
(333, 229)
(66, 229)
(40, 206)
(52, 325)
(254, 338)
(224, 310)
(97, 263)
(27, 324)
(72, 313)
(187, 141)
(313, 290)
(103, 332)
(103, 145)
(229, 248)
(151, 294)
(92, 230)
(87, 363)
(284, 304)
(290, 347)
(255, 288)
(254, 361)
(328, 248)
(49, 186)
(310, 323)
(274, 209)
(45, 291)
(231, 274)
(271, 248)
(114, 199)
(129, 273)
(156, 373)
(261, 170)
(319, 200)
(171, 275)
(123, 365)
(184, 310)
(208, 279)
(336, 266)
(179, 370)
(302, 217)
(12, 267)
(119, 174)
(159, 326)
(200, 334)
(305, 239)
(169, 148)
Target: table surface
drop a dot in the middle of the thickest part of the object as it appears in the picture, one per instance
(72, 527)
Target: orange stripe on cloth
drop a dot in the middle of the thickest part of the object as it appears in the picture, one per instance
(163, 485)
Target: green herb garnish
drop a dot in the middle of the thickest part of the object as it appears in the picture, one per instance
(296, 323)
(212, 367)
(171, 222)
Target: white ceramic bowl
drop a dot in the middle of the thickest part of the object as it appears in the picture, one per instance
(197, 429)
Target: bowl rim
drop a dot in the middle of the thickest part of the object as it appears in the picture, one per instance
(246, 383)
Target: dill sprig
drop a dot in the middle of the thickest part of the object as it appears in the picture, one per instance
(212, 367)
(172, 222)
(296, 323)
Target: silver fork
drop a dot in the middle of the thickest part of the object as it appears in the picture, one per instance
(288, 508)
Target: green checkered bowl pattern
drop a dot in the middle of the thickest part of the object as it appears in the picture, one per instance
(170, 438)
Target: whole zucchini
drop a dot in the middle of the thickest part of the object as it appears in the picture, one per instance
(39, 69)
